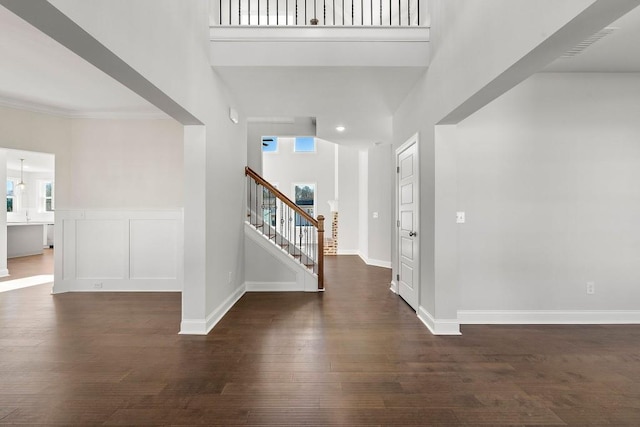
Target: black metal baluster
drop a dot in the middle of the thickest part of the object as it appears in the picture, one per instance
(371, 12)
(399, 13)
(277, 12)
(229, 12)
(389, 12)
(324, 13)
(409, 12)
(267, 12)
(380, 12)
(296, 12)
(352, 12)
(305, 12)
(418, 11)
(334, 12)
(249, 12)
(239, 12)
(258, 12)
(286, 12)
(361, 12)
(315, 11)
(342, 12)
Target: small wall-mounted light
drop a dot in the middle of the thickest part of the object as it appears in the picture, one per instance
(233, 115)
(340, 128)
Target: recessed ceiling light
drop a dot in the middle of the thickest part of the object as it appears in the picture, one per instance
(340, 128)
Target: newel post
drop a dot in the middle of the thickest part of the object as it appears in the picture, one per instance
(320, 252)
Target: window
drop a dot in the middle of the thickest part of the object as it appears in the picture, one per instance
(11, 195)
(46, 196)
(305, 198)
(269, 144)
(305, 144)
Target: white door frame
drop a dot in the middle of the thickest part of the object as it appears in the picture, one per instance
(395, 283)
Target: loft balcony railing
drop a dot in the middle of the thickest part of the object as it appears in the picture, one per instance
(286, 224)
(370, 13)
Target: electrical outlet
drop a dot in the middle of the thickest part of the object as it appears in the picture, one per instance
(460, 217)
(97, 285)
(591, 288)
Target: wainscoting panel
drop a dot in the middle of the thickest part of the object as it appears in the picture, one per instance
(99, 249)
(119, 251)
(153, 249)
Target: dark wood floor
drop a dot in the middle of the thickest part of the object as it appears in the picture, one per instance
(356, 355)
(27, 266)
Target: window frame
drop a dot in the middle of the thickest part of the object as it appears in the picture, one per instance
(15, 198)
(295, 145)
(275, 142)
(42, 195)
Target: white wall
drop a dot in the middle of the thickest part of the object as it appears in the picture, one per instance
(348, 200)
(548, 176)
(480, 51)
(92, 157)
(380, 204)
(130, 164)
(143, 35)
(287, 168)
(363, 204)
(3, 217)
(298, 126)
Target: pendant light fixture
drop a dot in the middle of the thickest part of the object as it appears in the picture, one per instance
(21, 185)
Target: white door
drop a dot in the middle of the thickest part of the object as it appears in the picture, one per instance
(408, 203)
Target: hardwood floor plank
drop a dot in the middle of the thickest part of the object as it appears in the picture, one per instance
(354, 356)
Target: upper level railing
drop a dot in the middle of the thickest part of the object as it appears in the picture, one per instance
(286, 224)
(397, 13)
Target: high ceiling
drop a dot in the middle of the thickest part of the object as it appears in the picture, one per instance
(362, 99)
(618, 52)
(40, 74)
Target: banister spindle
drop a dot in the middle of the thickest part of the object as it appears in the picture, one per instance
(320, 252)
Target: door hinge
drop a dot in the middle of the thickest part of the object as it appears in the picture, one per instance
(398, 277)
(397, 169)
(398, 223)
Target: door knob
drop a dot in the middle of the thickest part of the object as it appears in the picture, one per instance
(413, 233)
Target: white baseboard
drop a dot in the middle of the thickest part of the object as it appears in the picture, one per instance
(439, 326)
(203, 327)
(542, 317)
(348, 252)
(119, 285)
(274, 287)
(4, 273)
(374, 262)
(394, 287)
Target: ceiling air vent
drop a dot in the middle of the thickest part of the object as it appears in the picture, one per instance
(577, 50)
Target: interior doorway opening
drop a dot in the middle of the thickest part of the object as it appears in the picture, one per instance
(27, 219)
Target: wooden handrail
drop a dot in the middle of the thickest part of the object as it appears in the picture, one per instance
(285, 199)
(320, 252)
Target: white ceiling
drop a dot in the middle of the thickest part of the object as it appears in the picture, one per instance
(33, 162)
(360, 98)
(40, 74)
(618, 52)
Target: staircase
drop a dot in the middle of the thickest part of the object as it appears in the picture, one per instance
(286, 225)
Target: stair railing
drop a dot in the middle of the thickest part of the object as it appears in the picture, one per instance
(285, 223)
